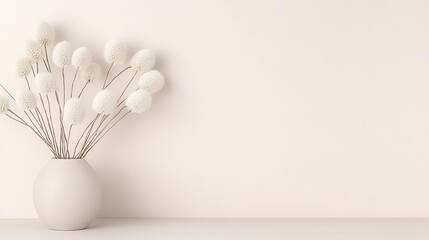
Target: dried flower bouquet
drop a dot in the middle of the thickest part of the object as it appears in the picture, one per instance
(54, 92)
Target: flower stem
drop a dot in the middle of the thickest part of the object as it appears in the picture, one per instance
(123, 92)
(10, 95)
(74, 79)
(95, 143)
(81, 91)
(47, 59)
(117, 75)
(28, 83)
(107, 74)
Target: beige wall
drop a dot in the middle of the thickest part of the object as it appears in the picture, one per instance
(272, 108)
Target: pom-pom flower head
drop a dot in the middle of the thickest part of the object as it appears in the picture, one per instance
(152, 81)
(34, 51)
(45, 83)
(23, 67)
(138, 101)
(4, 104)
(26, 99)
(81, 57)
(62, 54)
(115, 52)
(91, 73)
(143, 60)
(104, 102)
(44, 33)
(74, 111)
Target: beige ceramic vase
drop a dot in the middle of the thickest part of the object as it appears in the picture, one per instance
(67, 194)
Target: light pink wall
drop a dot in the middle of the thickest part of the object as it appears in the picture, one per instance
(271, 108)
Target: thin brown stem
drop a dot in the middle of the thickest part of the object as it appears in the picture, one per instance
(93, 139)
(46, 65)
(87, 135)
(94, 135)
(37, 131)
(107, 74)
(49, 124)
(52, 125)
(22, 121)
(68, 143)
(113, 118)
(8, 93)
(28, 83)
(32, 69)
(98, 127)
(62, 140)
(98, 133)
(26, 124)
(81, 91)
(15, 119)
(117, 75)
(33, 124)
(123, 92)
(47, 59)
(43, 127)
(39, 123)
(42, 120)
(101, 137)
(64, 85)
(81, 136)
(17, 116)
(74, 79)
(119, 104)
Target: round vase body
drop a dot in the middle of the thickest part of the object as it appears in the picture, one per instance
(67, 194)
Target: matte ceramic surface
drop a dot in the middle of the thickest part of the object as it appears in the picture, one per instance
(67, 194)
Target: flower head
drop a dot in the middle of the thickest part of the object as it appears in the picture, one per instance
(25, 99)
(74, 111)
(152, 81)
(81, 57)
(91, 73)
(4, 104)
(115, 52)
(104, 102)
(34, 51)
(143, 60)
(138, 101)
(23, 67)
(45, 82)
(62, 54)
(44, 33)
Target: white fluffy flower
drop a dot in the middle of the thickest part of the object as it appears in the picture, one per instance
(44, 33)
(152, 81)
(26, 99)
(62, 54)
(46, 83)
(23, 67)
(115, 52)
(138, 101)
(34, 51)
(104, 102)
(4, 104)
(81, 57)
(91, 73)
(143, 60)
(74, 111)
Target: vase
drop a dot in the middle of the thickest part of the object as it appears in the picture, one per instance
(67, 194)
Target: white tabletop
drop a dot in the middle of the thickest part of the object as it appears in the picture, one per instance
(224, 229)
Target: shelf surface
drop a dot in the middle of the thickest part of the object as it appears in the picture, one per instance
(224, 229)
